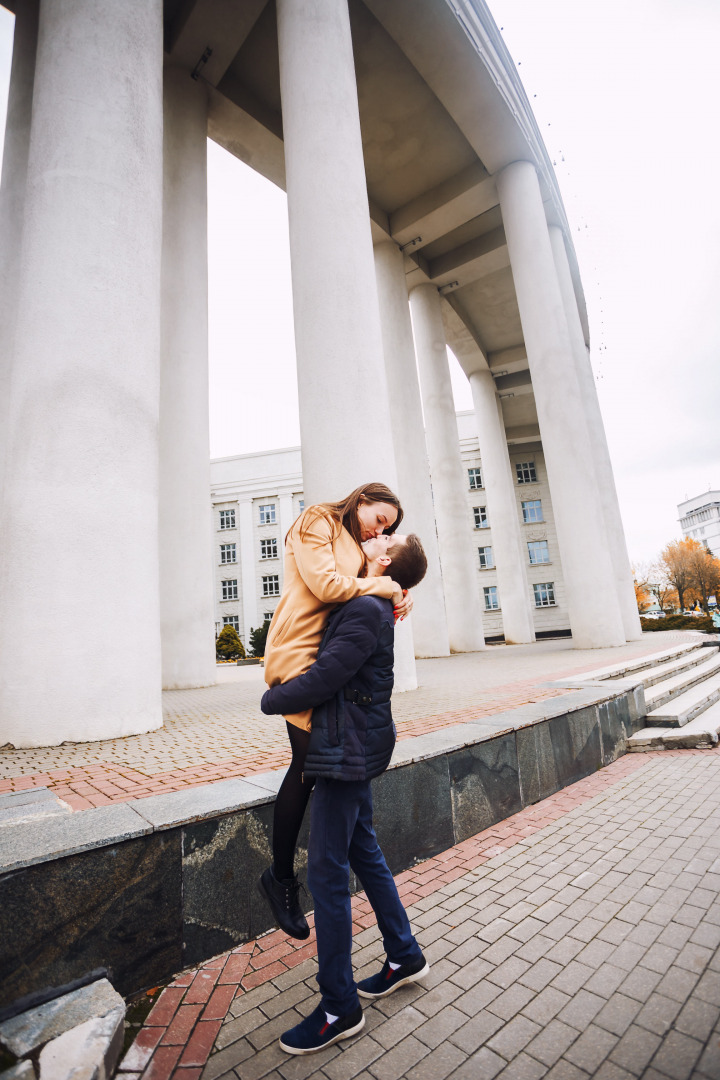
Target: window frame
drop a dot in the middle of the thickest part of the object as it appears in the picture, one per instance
(490, 592)
(481, 555)
(475, 479)
(521, 467)
(266, 580)
(223, 514)
(538, 562)
(525, 506)
(267, 513)
(229, 585)
(223, 560)
(480, 515)
(549, 587)
(264, 542)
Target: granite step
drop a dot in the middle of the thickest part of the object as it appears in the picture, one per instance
(679, 711)
(692, 651)
(700, 733)
(677, 683)
(31, 804)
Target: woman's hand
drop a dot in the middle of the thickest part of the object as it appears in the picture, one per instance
(404, 607)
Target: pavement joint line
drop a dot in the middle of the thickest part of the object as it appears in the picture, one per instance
(219, 983)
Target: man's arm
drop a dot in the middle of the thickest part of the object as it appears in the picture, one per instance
(353, 640)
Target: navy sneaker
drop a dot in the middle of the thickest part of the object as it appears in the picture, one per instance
(315, 1033)
(387, 980)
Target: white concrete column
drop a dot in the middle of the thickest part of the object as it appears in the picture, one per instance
(186, 584)
(248, 563)
(345, 417)
(79, 517)
(12, 188)
(594, 613)
(429, 622)
(603, 465)
(457, 556)
(509, 551)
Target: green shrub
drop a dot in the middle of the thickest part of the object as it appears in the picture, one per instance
(228, 645)
(258, 638)
(678, 622)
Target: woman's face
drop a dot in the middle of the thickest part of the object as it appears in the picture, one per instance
(375, 517)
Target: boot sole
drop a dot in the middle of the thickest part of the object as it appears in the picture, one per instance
(315, 1049)
(401, 982)
(297, 937)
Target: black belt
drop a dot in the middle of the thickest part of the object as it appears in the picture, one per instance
(358, 698)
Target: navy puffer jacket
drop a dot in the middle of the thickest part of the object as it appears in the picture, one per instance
(348, 687)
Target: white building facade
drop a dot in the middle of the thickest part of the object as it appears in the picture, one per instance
(256, 497)
(700, 520)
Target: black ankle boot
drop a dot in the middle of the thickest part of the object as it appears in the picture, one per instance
(283, 898)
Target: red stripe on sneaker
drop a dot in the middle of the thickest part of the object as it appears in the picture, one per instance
(324, 1028)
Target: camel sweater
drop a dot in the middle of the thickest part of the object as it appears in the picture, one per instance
(320, 571)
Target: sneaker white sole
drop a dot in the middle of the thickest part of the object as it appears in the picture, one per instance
(401, 982)
(315, 1049)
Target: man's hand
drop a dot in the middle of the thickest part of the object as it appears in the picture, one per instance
(404, 607)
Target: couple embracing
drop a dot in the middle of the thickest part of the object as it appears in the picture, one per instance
(329, 668)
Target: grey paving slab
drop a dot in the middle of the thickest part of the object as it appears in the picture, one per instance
(588, 950)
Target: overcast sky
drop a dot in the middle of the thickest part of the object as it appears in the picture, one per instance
(626, 93)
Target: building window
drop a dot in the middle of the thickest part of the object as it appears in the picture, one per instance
(475, 479)
(301, 504)
(490, 594)
(231, 620)
(268, 549)
(227, 519)
(538, 551)
(227, 553)
(229, 589)
(481, 518)
(271, 585)
(267, 513)
(486, 558)
(525, 471)
(532, 510)
(267, 616)
(544, 594)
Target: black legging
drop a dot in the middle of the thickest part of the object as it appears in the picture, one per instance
(290, 805)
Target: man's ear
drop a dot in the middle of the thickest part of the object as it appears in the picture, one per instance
(384, 560)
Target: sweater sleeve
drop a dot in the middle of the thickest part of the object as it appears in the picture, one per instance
(315, 561)
(353, 641)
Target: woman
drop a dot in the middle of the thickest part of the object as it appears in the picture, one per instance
(324, 566)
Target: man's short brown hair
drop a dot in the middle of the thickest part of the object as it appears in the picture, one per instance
(409, 562)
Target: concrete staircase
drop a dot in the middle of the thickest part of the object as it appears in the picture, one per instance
(682, 697)
(682, 694)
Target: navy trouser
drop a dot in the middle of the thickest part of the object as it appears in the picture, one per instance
(342, 836)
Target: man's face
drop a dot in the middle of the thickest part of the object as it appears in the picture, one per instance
(378, 546)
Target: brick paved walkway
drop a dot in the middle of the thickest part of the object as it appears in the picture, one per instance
(219, 732)
(579, 938)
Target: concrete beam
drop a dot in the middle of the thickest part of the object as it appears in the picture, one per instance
(220, 25)
(443, 208)
(246, 138)
(523, 433)
(517, 383)
(484, 255)
(506, 360)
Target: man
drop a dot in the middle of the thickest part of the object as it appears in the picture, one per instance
(353, 735)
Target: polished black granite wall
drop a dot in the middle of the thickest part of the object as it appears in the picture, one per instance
(149, 906)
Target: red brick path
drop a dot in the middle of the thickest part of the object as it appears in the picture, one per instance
(179, 1033)
(87, 786)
